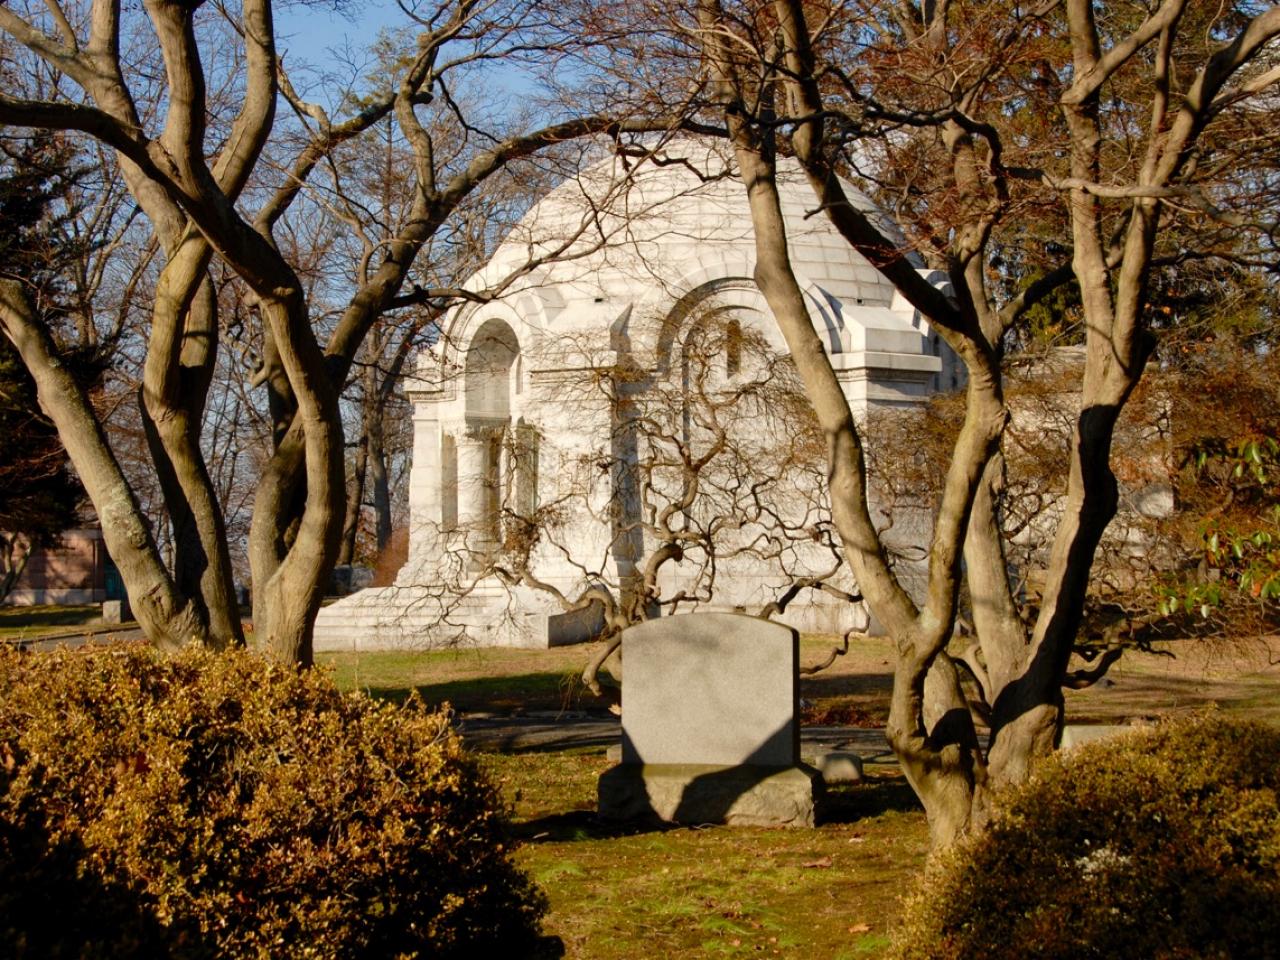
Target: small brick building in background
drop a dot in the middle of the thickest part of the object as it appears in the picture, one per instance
(74, 570)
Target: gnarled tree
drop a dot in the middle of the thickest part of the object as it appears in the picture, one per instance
(1126, 109)
(197, 209)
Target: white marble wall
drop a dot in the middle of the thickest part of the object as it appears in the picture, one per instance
(582, 328)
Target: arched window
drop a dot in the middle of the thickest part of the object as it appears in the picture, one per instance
(491, 374)
(490, 357)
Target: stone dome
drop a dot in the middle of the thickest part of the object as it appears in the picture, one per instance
(628, 234)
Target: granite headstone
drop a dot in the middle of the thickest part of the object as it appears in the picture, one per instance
(710, 732)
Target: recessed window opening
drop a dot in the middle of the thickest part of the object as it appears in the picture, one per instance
(733, 348)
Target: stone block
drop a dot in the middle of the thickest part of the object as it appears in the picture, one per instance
(116, 611)
(340, 581)
(361, 578)
(743, 795)
(710, 688)
(710, 732)
(576, 626)
(839, 766)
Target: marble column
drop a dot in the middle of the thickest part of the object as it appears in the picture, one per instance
(425, 494)
(473, 482)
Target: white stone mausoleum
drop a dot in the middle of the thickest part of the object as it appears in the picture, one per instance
(528, 405)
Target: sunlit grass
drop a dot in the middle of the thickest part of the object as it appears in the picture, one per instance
(616, 894)
(490, 679)
(17, 623)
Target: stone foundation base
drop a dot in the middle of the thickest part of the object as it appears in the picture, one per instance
(694, 793)
(419, 618)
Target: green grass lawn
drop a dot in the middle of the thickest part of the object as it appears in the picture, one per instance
(1239, 676)
(831, 892)
(491, 679)
(19, 623)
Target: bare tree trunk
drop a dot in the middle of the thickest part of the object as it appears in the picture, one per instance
(379, 479)
(11, 569)
(930, 728)
(176, 379)
(183, 342)
(1018, 734)
(169, 619)
(288, 586)
(288, 589)
(355, 502)
(376, 395)
(938, 751)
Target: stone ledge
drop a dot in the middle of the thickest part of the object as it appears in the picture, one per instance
(700, 793)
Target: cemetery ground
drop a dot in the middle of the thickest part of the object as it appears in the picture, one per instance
(692, 892)
(627, 892)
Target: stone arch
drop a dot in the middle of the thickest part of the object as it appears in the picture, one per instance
(731, 297)
(730, 278)
(481, 485)
(491, 357)
(464, 328)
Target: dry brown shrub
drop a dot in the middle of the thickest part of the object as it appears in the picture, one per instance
(216, 805)
(1163, 843)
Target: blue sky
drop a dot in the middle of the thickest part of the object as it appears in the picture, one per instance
(326, 40)
(311, 32)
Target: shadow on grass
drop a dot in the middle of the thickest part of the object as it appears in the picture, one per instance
(527, 691)
(47, 618)
(568, 740)
(579, 825)
(849, 804)
(840, 805)
(564, 691)
(858, 700)
(878, 685)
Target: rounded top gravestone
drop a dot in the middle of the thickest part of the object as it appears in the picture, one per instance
(715, 688)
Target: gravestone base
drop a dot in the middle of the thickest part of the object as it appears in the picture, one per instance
(740, 795)
(116, 611)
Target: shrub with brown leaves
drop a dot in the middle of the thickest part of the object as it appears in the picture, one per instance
(1164, 843)
(216, 805)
